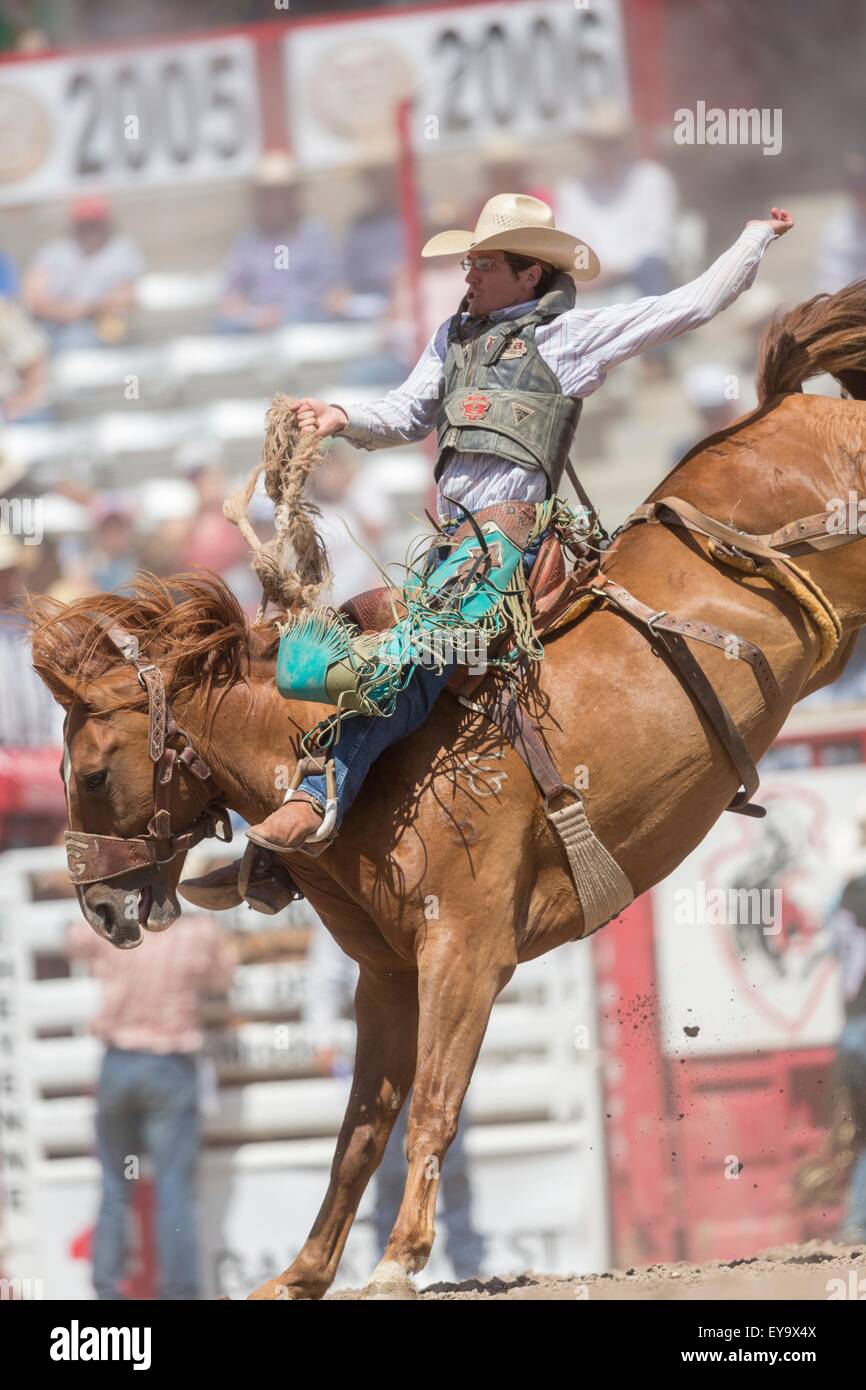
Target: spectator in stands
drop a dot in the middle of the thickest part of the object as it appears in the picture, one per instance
(211, 541)
(507, 164)
(29, 717)
(20, 28)
(330, 986)
(848, 931)
(628, 206)
(842, 244)
(23, 391)
(81, 287)
(372, 248)
(150, 1020)
(112, 561)
(338, 491)
(284, 268)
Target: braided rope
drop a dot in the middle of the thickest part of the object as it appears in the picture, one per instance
(288, 458)
(802, 587)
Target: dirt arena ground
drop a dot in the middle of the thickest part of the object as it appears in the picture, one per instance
(787, 1272)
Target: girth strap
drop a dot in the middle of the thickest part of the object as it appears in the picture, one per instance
(667, 632)
(699, 632)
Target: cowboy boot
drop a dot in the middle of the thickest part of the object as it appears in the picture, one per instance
(270, 887)
(290, 826)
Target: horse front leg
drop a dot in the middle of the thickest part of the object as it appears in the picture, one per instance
(456, 994)
(386, 1011)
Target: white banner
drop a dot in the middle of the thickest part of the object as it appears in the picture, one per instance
(176, 113)
(529, 69)
(743, 946)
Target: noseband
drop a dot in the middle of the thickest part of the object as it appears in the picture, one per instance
(97, 858)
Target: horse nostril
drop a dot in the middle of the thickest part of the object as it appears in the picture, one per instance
(101, 910)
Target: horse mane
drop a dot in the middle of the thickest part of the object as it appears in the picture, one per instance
(191, 624)
(825, 334)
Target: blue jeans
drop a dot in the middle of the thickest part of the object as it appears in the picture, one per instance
(364, 737)
(148, 1101)
(852, 1057)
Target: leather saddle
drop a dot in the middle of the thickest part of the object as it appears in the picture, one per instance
(552, 585)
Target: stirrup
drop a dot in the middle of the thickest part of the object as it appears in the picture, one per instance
(325, 834)
(277, 872)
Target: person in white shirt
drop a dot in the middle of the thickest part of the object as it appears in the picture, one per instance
(81, 287)
(503, 382)
(627, 205)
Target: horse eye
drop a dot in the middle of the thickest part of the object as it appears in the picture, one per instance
(94, 780)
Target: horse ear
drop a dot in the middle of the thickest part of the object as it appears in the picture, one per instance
(66, 690)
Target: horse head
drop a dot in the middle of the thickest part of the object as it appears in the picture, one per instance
(138, 794)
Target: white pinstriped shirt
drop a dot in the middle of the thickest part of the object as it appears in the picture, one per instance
(580, 346)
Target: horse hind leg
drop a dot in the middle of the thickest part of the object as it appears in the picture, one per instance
(386, 1011)
(456, 994)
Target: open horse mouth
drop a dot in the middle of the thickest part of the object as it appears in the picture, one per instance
(120, 914)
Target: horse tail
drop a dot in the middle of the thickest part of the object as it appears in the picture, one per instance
(826, 334)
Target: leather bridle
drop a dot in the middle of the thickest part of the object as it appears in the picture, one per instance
(99, 858)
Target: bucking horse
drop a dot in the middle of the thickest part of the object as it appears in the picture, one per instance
(448, 872)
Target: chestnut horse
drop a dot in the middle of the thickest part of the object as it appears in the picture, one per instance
(446, 874)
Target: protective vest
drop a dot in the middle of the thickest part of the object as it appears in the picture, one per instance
(501, 397)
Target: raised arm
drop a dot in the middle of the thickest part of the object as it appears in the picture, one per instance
(405, 415)
(613, 334)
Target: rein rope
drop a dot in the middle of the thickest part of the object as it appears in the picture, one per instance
(288, 458)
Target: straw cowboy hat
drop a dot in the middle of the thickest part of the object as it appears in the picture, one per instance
(516, 222)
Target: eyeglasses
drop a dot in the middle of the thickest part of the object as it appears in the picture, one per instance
(480, 263)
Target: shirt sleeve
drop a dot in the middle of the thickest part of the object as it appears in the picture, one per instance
(614, 334)
(406, 414)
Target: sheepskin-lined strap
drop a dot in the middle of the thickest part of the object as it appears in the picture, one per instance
(602, 888)
(733, 547)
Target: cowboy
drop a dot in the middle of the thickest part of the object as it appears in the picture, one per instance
(503, 382)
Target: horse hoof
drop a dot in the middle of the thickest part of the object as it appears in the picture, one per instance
(404, 1292)
(274, 1291)
(389, 1283)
